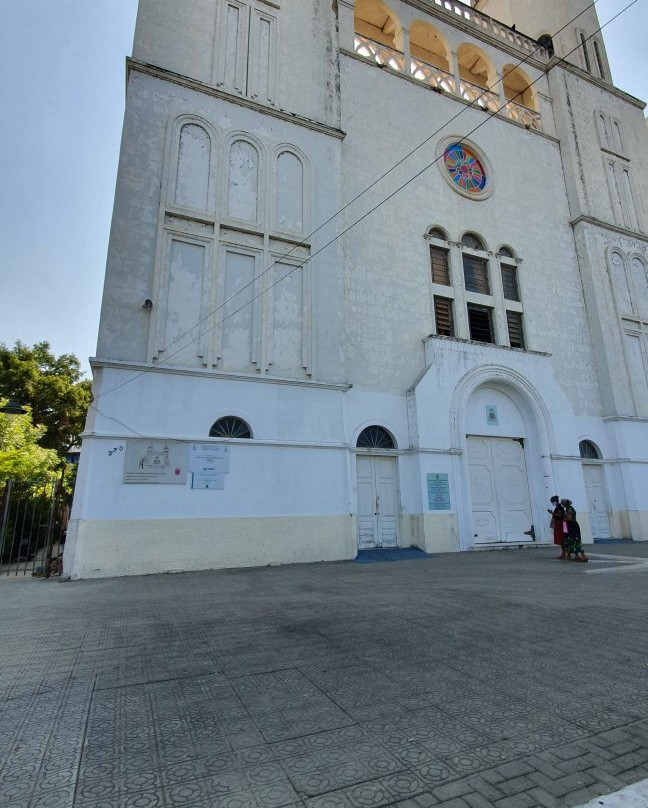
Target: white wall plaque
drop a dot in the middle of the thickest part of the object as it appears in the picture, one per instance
(155, 462)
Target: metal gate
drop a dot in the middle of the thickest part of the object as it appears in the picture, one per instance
(33, 522)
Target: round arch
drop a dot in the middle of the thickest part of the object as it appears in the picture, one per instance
(499, 406)
(475, 67)
(429, 45)
(517, 87)
(376, 20)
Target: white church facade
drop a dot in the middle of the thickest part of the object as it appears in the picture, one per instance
(377, 277)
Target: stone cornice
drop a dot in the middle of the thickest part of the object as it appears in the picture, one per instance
(615, 228)
(145, 367)
(602, 85)
(133, 65)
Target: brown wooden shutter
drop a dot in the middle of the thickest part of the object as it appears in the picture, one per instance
(516, 335)
(443, 316)
(439, 266)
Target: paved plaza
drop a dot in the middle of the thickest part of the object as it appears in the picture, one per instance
(506, 679)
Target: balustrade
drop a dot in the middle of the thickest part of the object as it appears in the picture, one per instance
(435, 77)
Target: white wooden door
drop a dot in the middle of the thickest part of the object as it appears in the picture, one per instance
(377, 502)
(596, 501)
(499, 489)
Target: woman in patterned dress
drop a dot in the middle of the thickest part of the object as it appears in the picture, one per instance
(574, 542)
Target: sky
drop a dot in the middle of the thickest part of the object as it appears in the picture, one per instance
(61, 108)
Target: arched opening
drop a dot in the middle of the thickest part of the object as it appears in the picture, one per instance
(230, 427)
(546, 42)
(472, 241)
(475, 67)
(375, 437)
(375, 20)
(377, 489)
(588, 450)
(427, 44)
(437, 232)
(594, 478)
(516, 87)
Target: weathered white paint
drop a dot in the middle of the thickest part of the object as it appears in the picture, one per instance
(235, 150)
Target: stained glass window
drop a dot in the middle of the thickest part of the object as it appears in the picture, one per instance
(464, 168)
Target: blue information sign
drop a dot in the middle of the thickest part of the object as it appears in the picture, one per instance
(438, 491)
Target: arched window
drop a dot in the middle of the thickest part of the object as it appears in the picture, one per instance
(506, 252)
(472, 241)
(588, 450)
(517, 87)
(436, 232)
(230, 427)
(583, 43)
(547, 43)
(375, 437)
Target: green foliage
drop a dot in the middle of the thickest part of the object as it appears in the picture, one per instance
(52, 386)
(21, 457)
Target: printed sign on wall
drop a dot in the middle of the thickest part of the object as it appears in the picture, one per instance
(208, 464)
(492, 419)
(438, 491)
(155, 462)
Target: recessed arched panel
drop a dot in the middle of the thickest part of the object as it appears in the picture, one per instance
(375, 437)
(640, 282)
(620, 282)
(243, 184)
(193, 168)
(230, 427)
(290, 193)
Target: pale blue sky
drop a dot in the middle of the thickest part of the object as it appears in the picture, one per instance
(62, 102)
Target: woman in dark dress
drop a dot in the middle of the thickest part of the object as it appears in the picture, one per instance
(574, 542)
(557, 520)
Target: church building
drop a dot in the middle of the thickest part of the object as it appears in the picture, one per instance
(377, 277)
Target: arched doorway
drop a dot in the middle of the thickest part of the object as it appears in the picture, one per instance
(595, 489)
(501, 458)
(377, 479)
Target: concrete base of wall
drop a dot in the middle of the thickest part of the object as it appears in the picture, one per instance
(100, 549)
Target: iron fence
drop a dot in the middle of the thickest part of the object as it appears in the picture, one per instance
(33, 523)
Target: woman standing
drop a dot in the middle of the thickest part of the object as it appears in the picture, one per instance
(557, 522)
(574, 543)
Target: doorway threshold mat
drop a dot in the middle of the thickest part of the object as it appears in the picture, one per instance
(390, 554)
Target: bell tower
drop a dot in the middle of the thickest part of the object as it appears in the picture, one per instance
(569, 27)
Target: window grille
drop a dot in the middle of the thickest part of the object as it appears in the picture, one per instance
(375, 437)
(509, 282)
(476, 274)
(472, 241)
(588, 451)
(230, 427)
(443, 316)
(516, 336)
(439, 266)
(480, 322)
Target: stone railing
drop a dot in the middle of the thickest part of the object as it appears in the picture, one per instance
(442, 80)
(431, 75)
(486, 99)
(378, 53)
(491, 26)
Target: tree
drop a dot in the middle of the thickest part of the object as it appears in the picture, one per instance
(53, 387)
(21, 458)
